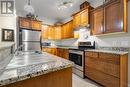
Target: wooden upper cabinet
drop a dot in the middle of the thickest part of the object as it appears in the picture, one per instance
(63, 31)
(44, 31)
(58, 34)
(66, 27)
(76, 21)
(84, 18)
(29, 23)
(111, 18)
(97, 21)
(67, 30)
(113, 21)
(36, 25)
(70, 30)
(24, 23)
(51, 33)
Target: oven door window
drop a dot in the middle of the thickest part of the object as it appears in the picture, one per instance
(76, 58)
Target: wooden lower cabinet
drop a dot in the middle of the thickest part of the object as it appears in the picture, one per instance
(102, 78)
(50, 50)
(61, 78)
(110, 70)
(64, 53)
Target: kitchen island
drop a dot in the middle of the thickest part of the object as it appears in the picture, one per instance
(37, 70)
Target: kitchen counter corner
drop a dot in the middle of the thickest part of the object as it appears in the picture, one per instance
(45, 63)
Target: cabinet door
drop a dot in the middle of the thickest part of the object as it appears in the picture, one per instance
(67, 30)
(70, 30)
(57, 32)
(36, 25)
(24, 23)
(113, 21)
(64, 30)
(44, 32)
(59, 52)
(76, 20)
(84, 18)
(51, 32)
(105, 79)
(53, 51)
(97, 21)
(66, 54)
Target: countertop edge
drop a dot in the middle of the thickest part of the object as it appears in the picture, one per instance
(32, 75)
(59, 47)
(109, 51)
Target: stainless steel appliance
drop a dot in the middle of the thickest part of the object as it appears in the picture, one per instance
(31, 40)
(78, 57)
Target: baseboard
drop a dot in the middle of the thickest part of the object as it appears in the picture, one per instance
(128, 85)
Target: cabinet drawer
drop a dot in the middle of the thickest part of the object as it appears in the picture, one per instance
(91, 54)
(91, 62)
(105, 67)
(111, 58)
(102, 78)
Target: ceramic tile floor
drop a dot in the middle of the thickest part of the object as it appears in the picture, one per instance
(79, 82)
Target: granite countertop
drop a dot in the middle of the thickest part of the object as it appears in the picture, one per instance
(63, 47)
(108, 51)
(28, 66)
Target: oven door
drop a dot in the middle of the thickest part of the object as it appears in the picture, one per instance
(77, 57)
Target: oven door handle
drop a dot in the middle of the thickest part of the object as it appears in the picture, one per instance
(79, 53)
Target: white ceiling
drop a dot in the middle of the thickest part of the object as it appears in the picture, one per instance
(47, 9)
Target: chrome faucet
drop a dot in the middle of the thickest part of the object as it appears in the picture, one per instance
(17, 51)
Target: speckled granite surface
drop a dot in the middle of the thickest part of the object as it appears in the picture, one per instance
(109, 51)
(113, 50)
(5, 56)
(28, 66)
(63, 47)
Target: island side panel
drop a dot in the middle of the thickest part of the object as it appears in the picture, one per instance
(61, 78)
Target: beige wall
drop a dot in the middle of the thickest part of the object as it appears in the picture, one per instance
(7, 22)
